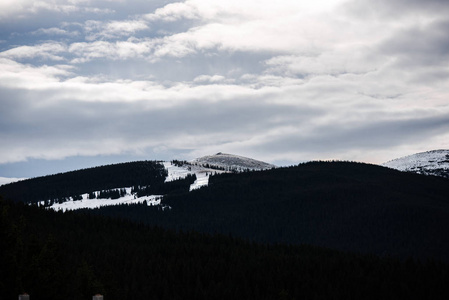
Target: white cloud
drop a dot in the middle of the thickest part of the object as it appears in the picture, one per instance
(110, 50)
(46, 51)
(174, 11)
(22, 8)
(113, 29)
(209, 78)
(15, 75)
(234, 10)
(55, 31)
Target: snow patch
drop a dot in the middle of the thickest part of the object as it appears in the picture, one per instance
(175, 172)
(180, 172)
(96, 203)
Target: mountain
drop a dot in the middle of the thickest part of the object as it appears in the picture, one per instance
(59, 188)
(125, 183)
(347, 206)
(434, 162)
(231, 162)
(318, 230)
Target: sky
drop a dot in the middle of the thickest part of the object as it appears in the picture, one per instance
(93, 82)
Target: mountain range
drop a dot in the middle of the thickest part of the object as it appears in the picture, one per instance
(342, 205)
(224, 226)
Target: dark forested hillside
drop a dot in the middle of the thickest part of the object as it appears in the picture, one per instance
(72, 184)
(347, 206)
(54, 255)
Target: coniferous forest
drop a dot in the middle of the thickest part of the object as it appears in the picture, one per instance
(342, 205)
(54, 255)
(75, 183)
(321, 230)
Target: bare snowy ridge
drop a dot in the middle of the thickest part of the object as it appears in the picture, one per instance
(231, 162)
(435, 162)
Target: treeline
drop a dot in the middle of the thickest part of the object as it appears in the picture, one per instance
(223, 168)
(108, 194)
(54, 255)
(179, 163)
(342, 205)
(172, 187)
(72, 184)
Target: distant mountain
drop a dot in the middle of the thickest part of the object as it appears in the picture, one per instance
(232, 162)
(125, 183)
(87, 183)
(434, 162)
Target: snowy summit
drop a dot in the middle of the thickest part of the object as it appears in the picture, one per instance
(434, 162)
(232, 162)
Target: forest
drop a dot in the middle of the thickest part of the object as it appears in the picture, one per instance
(54, 255)
(319, 230)
(58, 187)
(342, 205)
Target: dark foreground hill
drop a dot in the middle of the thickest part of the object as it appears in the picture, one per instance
(54, 255)
(347, 206)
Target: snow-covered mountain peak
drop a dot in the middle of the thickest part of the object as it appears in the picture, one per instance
(231, 162)
(202, 168)
(435, 162)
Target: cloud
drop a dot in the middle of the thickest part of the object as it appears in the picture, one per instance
(419, 45)
(277, 120)
(110, 50)
(397, 10)
(113, 29)
(210, 79)
(55, 31)
(174, 11)
(128, 116)
(46, 51)
(20, 76)
(23, 8)
(281, 81)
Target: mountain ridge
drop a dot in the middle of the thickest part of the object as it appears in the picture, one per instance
(232, 162)
(433, 162)
(340, 205)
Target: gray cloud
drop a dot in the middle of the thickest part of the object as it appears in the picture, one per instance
(347, 141)
(286, 81)
(56, 125)
(397, 9)
(420, 45)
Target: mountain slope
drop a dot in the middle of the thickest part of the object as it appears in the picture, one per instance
(133, 182)
(434, 162)
(60, 187)
(347, 206)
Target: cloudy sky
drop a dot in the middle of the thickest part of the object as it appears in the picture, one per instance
(91, 82)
